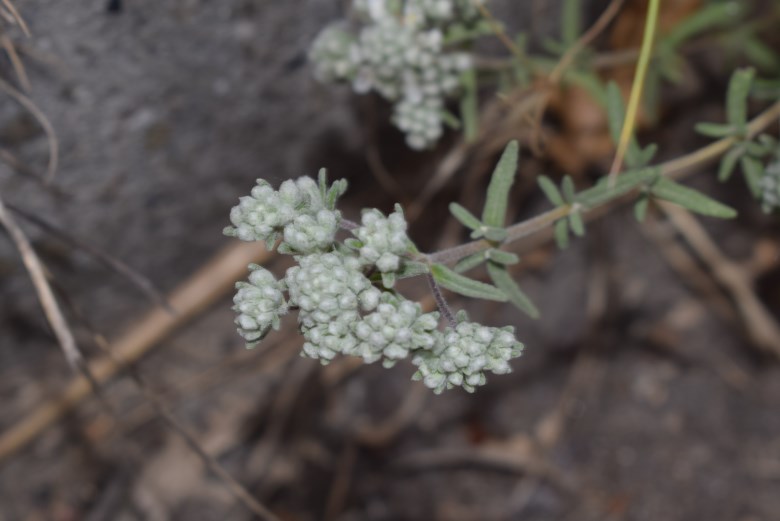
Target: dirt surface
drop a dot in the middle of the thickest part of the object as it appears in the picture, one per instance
(639, 396)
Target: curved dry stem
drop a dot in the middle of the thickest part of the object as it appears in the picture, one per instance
(51, 135)
(45, 294)
(11, 8)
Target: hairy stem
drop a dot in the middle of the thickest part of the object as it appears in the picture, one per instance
(673, 169)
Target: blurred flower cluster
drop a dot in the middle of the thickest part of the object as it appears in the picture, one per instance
(399, 50)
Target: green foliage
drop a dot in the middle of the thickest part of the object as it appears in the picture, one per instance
(504, 281)
(691, 199)
(494, 214)
(457, 283)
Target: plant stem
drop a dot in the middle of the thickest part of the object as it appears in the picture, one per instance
(673, 169)
(637, 87)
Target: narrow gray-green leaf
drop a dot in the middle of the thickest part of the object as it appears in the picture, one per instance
(729, 162)
(576, 224)
(495, 234)
(550, 190)
(412, 269)
(504, 281)
(465, 217)
(615, 111)
(457, 283)
(567, 187)
(502, 257)
(469, 110)
(494, 213)
(640, 208)
(469, 263)
(708, 17)
(737, 97)
(691, 199)
(602, 192)
(646, 154)
(716, 130)
(753, 171)
(562, 234)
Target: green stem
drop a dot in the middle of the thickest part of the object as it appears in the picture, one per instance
(674, 169)
(637, 87)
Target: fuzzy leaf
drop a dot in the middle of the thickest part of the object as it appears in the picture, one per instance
(714, 15)
(576, 224)
(691, 199)
(640, 208)
(504, 281)
(737, 97)
(729, 162)
(550, 190)
(494, 213)
(495, 234)
(753, 171)
(567, 186)
(502, 257)
(464, 285)
(602, 193)
(470, 262)
(715, 130)
(412, 269)
(561, 234)
(469, 109)
(465, 217)
(646, 155)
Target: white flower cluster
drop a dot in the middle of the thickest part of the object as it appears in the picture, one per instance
(297, 212)
(397, 327)
(335, 286)
(399, 52)
(259, 304)
(382, 240)
(770, 187)
(464, 354)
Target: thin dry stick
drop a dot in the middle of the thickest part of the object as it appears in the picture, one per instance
(16, 16)
(141, 281)
(45, 294)
(761, 326)
(16, 62)
(206, 286)
(236, 489)
(33, 109)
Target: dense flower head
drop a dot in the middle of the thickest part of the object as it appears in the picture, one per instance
(397, 327)
(440, 11)
(298, 204)
(383, 240)
(465, 353)
(770, 187)
(330, 289)
(400, 53)
(309, 233)
(330, 54)
(259, 304)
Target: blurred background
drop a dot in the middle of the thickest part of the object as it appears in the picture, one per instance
(649, 389)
